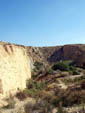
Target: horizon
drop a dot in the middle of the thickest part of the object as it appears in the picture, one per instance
(42, 22)
(42, 46)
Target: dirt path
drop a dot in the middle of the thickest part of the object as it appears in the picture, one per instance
(62, 84)
(75, 76)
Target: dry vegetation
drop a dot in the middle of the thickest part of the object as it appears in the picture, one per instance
(59, 86)
(51, 95)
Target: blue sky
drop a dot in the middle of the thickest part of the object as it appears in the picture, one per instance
(42, 22)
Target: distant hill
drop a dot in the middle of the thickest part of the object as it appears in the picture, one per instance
(50, 55)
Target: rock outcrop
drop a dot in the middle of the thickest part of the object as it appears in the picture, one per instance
(50, 55)
(14, 68)
(16, 62)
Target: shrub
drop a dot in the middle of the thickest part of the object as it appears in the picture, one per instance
(38, 65)
(59, 94)
(40, 85)
(64, 66)
(31, 92)
(69, 97)
(21, 96)
(68, 62)
(73, 97)
(61, 66)
(31, 84)
(75, 72)
(34, 76)
(36, 85)
(49, 71)
(33, 87)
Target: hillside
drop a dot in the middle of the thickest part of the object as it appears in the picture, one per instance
(56, 81)
(50, 55)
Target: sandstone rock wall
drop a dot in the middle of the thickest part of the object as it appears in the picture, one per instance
(16, 65)
(14, 68)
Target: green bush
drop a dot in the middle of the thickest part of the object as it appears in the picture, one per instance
(65, 66)
(37, 68)
(34, 76)
(49, 71)
(74, 70)
(31, 92)
(61, 66)
(38, 65)
(31, 84)
(34, 87)
(68, 62)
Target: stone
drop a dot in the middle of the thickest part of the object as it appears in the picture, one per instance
(14, 68)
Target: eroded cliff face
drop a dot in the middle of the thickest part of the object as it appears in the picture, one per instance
(14, 68)
(16, 62)
(50, 55)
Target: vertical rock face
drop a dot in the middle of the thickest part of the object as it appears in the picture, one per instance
(16, 65)
(71, 52)
(14, 68)
(80, 61)
(50, 55)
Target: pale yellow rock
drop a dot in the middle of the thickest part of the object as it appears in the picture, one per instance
(14, 69)
(3, 103)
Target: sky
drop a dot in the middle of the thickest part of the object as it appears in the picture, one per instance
(42, 22)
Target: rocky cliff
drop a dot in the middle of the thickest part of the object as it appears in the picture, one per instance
(14, 68)
(16, 62)
(50, 55)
